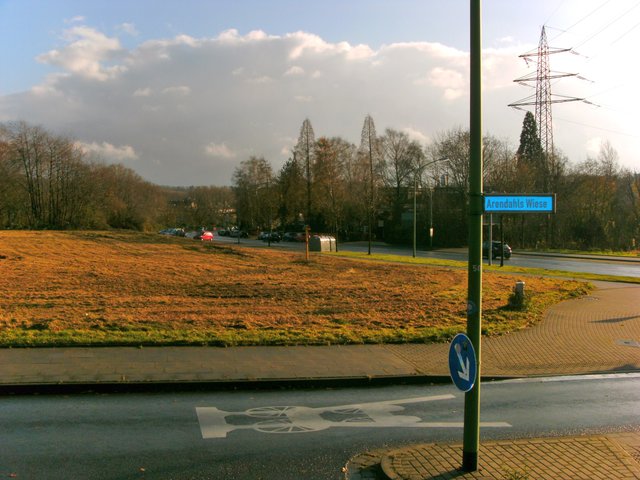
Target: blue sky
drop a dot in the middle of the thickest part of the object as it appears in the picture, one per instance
(91, 69)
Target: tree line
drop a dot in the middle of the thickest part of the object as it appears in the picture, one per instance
(50, 181)
(369, 191)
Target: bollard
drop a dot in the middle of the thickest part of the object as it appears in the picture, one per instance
(517, 299)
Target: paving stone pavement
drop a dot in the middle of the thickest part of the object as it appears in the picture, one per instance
(602, 457)
(596, 334)
(573, 458)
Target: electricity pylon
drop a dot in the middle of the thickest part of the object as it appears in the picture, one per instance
(543, 98)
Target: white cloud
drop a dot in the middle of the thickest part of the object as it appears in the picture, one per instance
(128, 28)
(303, 98)
(592, 146)
(416, 135)
(452, 82)
(76, 19)
(142, 92)
(294, 71)
(260, 79)
(85, 54)
(286, 150)
(48, 86)
(508, 39)
(219, 150)
(109, 151)
(179, 90)
(305, 44)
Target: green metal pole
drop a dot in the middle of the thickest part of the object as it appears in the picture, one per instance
(415, 217)
(471, 440)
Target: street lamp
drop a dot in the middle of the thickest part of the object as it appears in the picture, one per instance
(267, 185)
(430, 218)
(418, 170)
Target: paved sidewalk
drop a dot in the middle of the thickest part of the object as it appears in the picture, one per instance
(596, 334)
(604, 457)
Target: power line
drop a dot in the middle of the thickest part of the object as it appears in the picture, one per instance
(581, 20)
(625, 33)
(617, 132)
(609, 24)
(554, 12)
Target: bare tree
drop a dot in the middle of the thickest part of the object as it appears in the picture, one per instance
(252, 181)
(13, 198)
(370, 151)
(329, 185)
(304, 152)
(402, 161)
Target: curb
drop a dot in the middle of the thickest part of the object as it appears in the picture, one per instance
(365, 466)
(597, 258)
(219, 385)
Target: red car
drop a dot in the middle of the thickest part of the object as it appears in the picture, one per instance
(206, 236)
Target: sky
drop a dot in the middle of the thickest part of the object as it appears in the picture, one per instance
(183, 91)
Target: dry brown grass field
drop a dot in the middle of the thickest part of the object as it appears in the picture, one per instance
(121, 288)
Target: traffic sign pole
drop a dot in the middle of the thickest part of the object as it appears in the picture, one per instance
(462, 362)
(471, 439)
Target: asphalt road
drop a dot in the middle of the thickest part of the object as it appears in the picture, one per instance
(284, 434)
(567, 264)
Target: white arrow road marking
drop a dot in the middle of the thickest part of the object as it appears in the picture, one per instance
(215, 423)
(464, 374)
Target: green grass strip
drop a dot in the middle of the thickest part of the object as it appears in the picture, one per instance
(491, 268)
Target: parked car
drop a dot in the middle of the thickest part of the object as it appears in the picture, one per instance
(192, 234)
(177, 232)
(206, 236)
(496, 248)
(223, 232)
(289, 237)
(273, 237)
(235, 233)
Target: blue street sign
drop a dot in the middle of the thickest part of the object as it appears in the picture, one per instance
(463, 365)
(520, 203)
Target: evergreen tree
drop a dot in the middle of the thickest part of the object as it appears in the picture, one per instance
(530, 153)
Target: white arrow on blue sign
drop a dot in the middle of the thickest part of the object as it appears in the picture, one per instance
(463, 365)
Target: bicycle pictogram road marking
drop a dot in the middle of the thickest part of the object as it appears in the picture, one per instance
(216, 423)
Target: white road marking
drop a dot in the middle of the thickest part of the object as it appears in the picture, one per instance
(215, 423)
(567, 378)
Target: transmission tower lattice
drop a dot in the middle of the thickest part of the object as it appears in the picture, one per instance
(543, 97)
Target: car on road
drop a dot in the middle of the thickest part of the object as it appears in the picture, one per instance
(206, 236)
(496, 249)
(176, 232)
(271, 236)
(293, 237)
(235, 233)
(289, 237)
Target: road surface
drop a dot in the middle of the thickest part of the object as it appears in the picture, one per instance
(285, 434)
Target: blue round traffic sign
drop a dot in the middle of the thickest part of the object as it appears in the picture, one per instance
(463, 365)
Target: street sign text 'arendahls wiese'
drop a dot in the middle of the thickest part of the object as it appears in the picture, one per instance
(520, 203)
